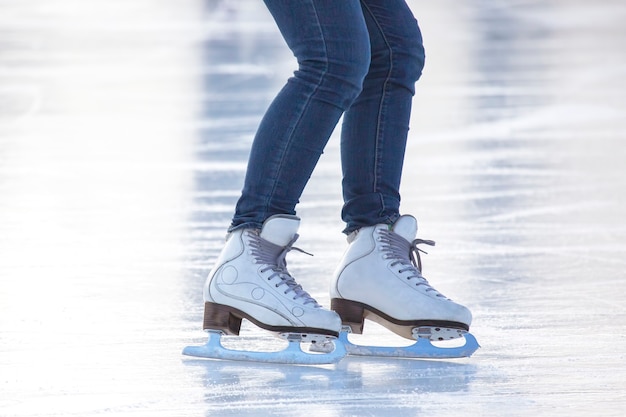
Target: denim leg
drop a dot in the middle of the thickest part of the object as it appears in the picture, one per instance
(375, 128)
(330, 40)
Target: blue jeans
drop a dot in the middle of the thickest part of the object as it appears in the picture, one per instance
(356, 58)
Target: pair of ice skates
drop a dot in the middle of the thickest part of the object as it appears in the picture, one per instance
(379, 278)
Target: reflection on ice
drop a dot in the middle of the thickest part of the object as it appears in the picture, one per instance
(357, 386)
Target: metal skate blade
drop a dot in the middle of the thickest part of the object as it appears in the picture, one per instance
(292, 354)
(437, 334)
(421, 349)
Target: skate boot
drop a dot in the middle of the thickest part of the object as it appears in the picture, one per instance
(380, 279)
(250, 281)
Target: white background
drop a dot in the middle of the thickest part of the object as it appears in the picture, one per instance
(124, 134)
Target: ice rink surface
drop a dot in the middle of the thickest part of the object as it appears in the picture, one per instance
(124, 132)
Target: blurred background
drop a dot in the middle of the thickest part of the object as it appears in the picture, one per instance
(125, 129)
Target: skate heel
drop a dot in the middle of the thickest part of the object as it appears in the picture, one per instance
(352, 313)
(221, 317)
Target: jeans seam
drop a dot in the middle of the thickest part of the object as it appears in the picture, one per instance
(310, 97)
(381, 107)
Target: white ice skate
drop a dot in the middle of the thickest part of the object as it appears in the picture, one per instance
(380, 279)
(250, 281)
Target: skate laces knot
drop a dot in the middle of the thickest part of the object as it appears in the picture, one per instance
(407, 255)
(414, 253)
(274, 258)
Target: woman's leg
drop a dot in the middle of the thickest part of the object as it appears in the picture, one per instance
(375, 128)
(250, 278)
(380, 272)
(330, 40)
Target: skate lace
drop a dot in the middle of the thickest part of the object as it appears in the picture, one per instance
(406, 255)
(273, 257)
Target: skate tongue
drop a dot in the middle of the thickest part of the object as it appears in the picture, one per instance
(405, 226)
(280, 229)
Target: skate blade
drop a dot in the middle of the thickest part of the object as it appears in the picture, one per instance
(421, 349)
(292, 354)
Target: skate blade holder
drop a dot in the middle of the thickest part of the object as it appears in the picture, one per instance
(423, 348)
(292, 354)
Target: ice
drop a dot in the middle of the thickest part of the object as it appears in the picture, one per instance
(124, 133)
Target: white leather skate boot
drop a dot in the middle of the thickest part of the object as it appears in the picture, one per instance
(379, 279)
(250, 280)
